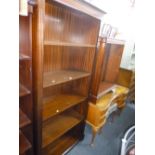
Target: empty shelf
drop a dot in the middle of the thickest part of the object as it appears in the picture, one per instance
(59, 103)
(24, 144)
(23, 119)
(59, 125)
(24, 57)
(64, 142)
(59, 43)
(23, 90)
(104, 88)
(62, 76)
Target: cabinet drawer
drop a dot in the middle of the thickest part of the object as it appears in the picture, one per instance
(101, 120)
(95, 116)
(101, 113)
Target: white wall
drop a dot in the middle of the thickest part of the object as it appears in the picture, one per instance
(128, 57)
(120, 14)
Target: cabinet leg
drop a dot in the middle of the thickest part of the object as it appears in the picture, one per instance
(120, 111)
(112, 117)
(94, 132)
(121, 106)
(100, 130)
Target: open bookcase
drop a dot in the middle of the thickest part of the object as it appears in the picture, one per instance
(64, 45)
(107, 66)
(26, 146)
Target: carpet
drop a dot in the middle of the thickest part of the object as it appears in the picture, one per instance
(109, 141)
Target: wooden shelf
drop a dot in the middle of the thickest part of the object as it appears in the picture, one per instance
(113, 41)
(23, 90)
(62, 76)
(59, 125)
(59, 43)
(59, 103)
(24, 144)
(23, 119)
(66, 142)
(24, 57)
(104, 88)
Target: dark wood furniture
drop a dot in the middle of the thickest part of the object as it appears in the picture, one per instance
(106, 71)
(26, 146)
(105, 94)
(64, 45)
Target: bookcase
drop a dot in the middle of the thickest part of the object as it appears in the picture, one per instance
(26, 146)
(64, 45)
(106, 70)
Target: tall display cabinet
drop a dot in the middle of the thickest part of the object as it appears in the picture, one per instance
(64, 45)
(26, 146)
(106, 71)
